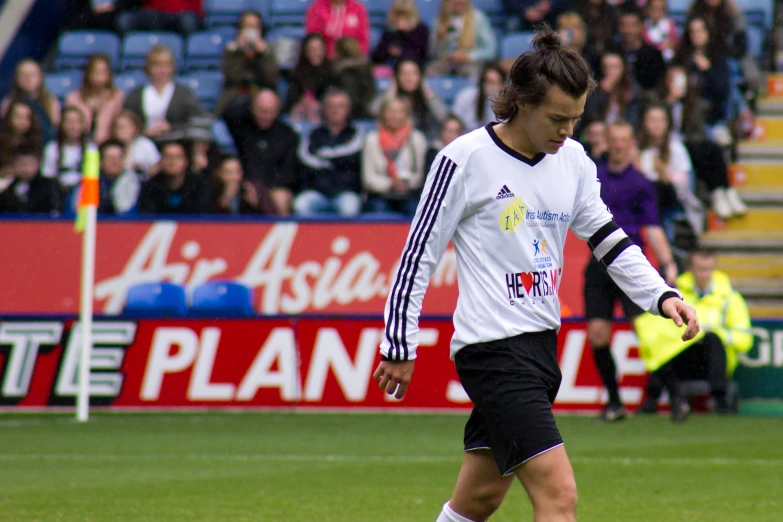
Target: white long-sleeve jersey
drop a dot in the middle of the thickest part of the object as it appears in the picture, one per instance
(508, 217)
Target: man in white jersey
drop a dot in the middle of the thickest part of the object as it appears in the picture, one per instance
(506, 195)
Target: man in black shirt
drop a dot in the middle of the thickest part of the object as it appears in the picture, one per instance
(174, 190)
(266, 146)
(30, 192)
(643, 61)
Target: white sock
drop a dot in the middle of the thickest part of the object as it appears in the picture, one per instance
(449, 515)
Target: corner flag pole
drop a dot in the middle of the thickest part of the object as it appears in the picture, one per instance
(86, 223)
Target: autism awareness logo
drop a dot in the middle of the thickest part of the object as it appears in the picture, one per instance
(513, 215)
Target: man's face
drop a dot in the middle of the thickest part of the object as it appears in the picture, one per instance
(26, 167)
(630, 29)
(266, 108)
(111, 162)
(620, 143)
(596, 134)
(702, 268)
(548, 125)
(337, 107)
(173, 161)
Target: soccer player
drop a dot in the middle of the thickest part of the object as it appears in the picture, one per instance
(493, 192)
(631, 198)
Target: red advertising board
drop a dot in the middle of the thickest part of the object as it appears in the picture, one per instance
(294, 268)
(264, 363)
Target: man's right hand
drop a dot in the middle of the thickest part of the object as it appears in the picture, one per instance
(394, 376)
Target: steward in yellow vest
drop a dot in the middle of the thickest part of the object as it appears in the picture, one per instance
(712, 354)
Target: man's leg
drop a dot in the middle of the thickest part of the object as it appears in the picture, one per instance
(549, 481)
(310, 202)
(282, 198)
(707, 360)
(347, 204)
(479, 491)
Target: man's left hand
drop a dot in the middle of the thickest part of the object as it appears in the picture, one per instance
(682, 314)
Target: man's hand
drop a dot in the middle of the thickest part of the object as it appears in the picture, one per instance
(394, 376)
(682, 313)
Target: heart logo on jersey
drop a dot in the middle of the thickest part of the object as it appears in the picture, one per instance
(527, 281)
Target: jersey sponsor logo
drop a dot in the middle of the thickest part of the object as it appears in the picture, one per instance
(541, 258)
(517, 212)
(513, 215)
(540, 244)
(538, 284)
(504, 193)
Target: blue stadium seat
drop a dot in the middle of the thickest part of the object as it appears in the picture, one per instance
(156, 300)
(756, 36)
(448, 86)
(375, 36)
(136, 45)
(514, 44)
(59, 84)
(204, 50)
(226, 12)
(428, 10)
(74, 47)
(366, 125)
(494, 10)
(758, 12)
(223, 137)
(222, 298)
(207, 86)
(289, 12)
(130, 80)
(378, 11)
(282, 89)
(383, 84)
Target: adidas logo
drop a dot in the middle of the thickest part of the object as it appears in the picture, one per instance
(504, 193)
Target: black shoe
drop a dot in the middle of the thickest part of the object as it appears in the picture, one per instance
(649, 407)
(722, 406)
(612, 412)
(680, 410)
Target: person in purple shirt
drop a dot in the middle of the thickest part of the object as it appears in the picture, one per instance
(405, 38)
(631, 199)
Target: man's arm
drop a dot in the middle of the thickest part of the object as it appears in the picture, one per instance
(660, 247)
(440, 210)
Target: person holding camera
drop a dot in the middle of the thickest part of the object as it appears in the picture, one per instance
(249, 64)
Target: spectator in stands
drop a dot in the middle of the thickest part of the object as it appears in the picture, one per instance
(98, 99)
(725, 19)
(175, 190)
(725, 321)
(30, 88)
(617, 97)
(354, 73)
(310, 78)
(664, 160)
(707, 64)
(601, 18)
(331, 162)
(119, 187)
(249, 63)
(644, 62)
(163, 105)
(30, 192)
(573, 33)
(95, 15)
(428, 108)
(393, 161)
(267, 147)
(19, 130)
(140, 154)
(473, 105)
(463, 38)
(531, 13)
(405, 38)
(233, 194)
(334, 19)
(451, 129)
(181, 16)
(687, 111)
(62, 158)
(660, 30)
(203, 153)
(596, 140)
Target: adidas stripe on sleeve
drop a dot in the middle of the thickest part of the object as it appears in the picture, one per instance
(625, 262)
(437, 216)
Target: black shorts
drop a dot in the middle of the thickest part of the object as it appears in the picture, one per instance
(601, 294)
(512, 383)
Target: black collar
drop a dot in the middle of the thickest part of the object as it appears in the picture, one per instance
(511, 152)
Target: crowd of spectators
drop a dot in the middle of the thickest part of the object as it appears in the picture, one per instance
(158, 155)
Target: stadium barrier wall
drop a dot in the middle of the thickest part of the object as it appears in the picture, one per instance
(296, 364)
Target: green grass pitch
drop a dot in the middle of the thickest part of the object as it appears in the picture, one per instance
(368, 468)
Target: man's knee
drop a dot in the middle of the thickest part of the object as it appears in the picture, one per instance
(483, 502)
(599, 332)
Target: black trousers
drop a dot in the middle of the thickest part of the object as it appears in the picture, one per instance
(703, 360)
(709, 164)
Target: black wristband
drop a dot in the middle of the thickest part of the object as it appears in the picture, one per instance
(666, 295)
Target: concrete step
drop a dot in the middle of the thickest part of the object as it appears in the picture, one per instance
(744, 240)
(769, 128)
(759, 287)
(770, 105)
(765, 308)
(751, 264)
(757, 219)
(762, 196)
(766, 149)
(758, 176)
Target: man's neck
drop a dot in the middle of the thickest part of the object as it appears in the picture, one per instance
(634, 45)
(175, 182)
(618, 166)
(514, 136)
(334, 130)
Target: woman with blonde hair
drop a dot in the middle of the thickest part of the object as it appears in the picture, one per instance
(163, 105)
(405, 38)
(462, 40)
(393, 161)
(98, 99)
